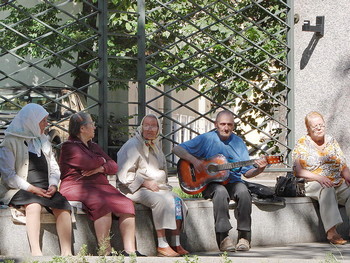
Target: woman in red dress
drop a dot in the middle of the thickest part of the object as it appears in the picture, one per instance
(84, 166)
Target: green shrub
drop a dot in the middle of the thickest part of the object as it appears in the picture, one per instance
(183, 195)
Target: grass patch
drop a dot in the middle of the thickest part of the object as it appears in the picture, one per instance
(183, 195)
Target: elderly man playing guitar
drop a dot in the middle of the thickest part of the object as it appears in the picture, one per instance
(222, 141)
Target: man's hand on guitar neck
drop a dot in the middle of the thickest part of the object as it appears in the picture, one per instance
(151, 185)
(260, 165)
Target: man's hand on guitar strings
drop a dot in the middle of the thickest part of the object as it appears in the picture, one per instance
(199, 166)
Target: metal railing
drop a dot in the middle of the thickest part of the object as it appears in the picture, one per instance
(184, 61)
(51, 47)
(202, 57)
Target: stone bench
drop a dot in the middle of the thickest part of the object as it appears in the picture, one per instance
(295, 222)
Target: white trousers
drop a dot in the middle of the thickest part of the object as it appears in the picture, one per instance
(162, 204)
(329, 199)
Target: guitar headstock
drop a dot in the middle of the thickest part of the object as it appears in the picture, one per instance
(274, 159)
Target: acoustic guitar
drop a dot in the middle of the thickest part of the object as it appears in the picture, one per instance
(216, 170)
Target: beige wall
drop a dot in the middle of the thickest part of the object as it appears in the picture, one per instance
(322, 68)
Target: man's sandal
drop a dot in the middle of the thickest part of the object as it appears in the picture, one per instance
(243, 245)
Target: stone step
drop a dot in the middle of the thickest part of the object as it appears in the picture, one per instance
(297, 221)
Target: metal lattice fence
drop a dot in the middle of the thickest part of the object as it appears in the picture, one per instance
(205, 56)
(50, 49)
(183, 60)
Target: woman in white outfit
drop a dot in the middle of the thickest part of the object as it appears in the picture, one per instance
(143, 177)
(30, 176)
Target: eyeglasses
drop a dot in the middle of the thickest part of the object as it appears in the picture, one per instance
(148, 127)
(318, 127)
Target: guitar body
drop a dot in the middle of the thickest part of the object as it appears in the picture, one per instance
(216, 170)
(194, 183)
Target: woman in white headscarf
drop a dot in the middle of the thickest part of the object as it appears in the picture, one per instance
(30, 176)
(143, 177)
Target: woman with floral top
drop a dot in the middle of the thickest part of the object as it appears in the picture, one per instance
(318, 159)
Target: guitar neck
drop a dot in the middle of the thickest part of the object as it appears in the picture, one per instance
(228, 166)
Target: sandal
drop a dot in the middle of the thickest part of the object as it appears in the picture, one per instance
(180, 250)
(243, 245)
(166, 252)
(337, 240)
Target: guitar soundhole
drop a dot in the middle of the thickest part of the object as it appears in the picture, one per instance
(212, 168)
(193, 173)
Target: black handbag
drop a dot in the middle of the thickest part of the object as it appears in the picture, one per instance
(262, 194)
(290, 186)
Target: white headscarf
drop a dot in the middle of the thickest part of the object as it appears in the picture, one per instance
(26, 125)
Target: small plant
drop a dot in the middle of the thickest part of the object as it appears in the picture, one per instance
(330, 258)
(132, 258)
(102, 259)
(114, 257)
(105, 244)
(59, 259)
(183, 195)
(189, 259)
(80, 258)
(224, 256)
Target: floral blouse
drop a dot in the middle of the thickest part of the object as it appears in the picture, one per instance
(330, 161)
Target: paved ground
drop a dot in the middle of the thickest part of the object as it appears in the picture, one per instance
(308, 252)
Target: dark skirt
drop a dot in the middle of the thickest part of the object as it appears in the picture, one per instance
(38, 176)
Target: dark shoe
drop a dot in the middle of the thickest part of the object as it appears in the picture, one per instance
(138, 254)
(243, 245)
(166, 252)
(180, 250)
(227, 245)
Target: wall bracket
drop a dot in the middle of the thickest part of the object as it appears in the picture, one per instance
(318, 29)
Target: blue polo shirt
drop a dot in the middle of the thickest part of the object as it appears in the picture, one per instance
(208, 144)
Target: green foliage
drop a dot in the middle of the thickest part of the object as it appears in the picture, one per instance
(189, 259)
(225, 258)
(122, 43)
(133, 258)
(83, 252)
(330, 258)
(113, 259)
(235, 49)
(104, 246)
(118, 131)
(183, 195)
(58, 259)
(45, 34)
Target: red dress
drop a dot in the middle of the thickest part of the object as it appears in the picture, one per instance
(95, 192)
